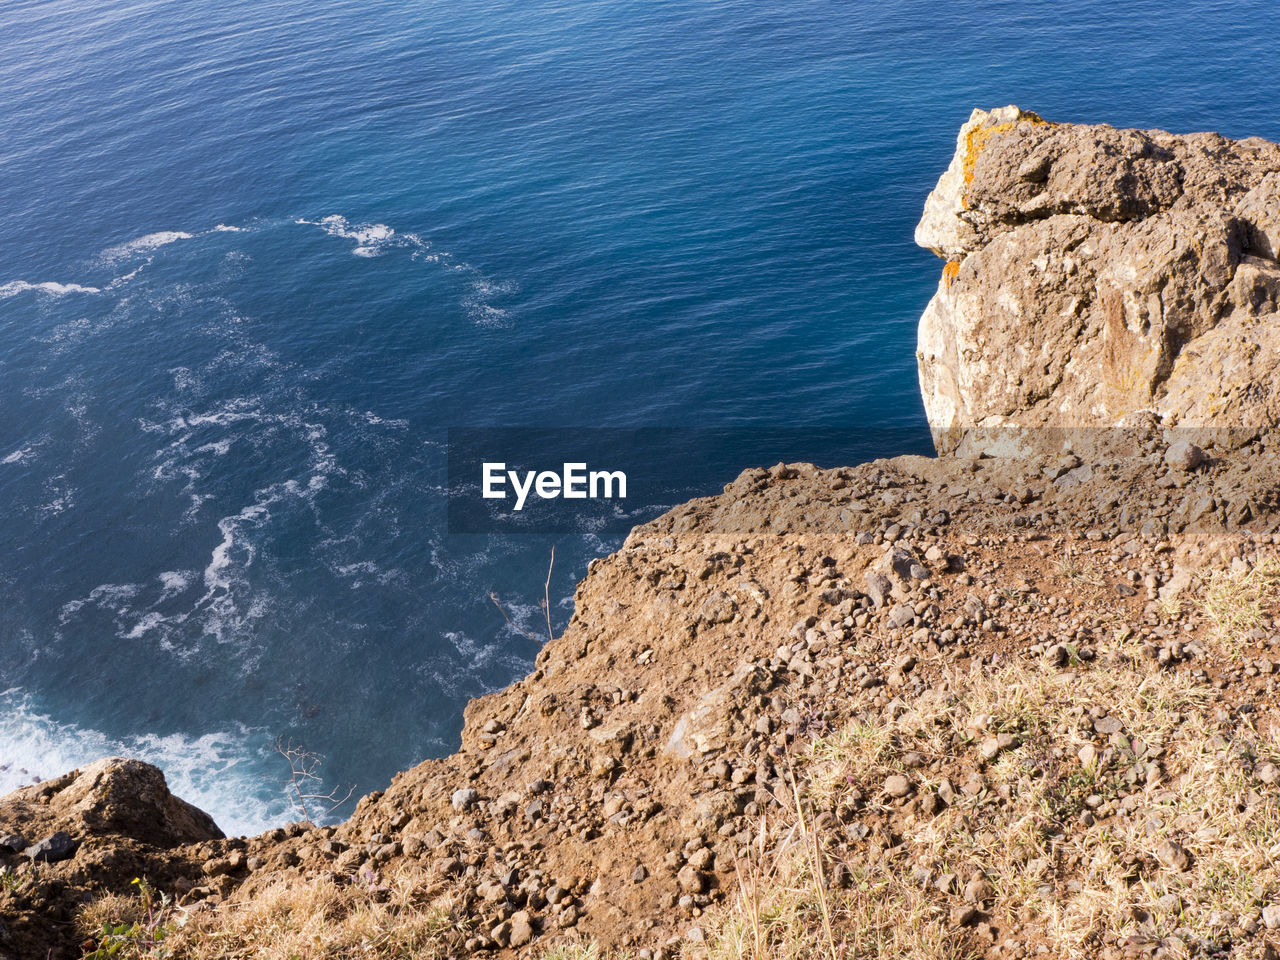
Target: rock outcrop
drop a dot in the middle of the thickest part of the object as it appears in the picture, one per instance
(92, 831)
(1097, 279)
(113, 797)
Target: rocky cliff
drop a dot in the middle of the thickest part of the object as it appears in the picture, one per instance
(1098, 278)
(921, 707)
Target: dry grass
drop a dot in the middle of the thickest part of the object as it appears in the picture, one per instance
(1071, 850)
(293, 920)
(1077, 574)
(786, 907)
(1242, 599)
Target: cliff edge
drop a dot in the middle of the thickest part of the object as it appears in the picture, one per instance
(951, 707)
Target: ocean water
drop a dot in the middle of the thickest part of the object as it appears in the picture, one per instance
(256, 259)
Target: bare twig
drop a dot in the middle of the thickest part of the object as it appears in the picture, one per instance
(546, 606)
(304, 766)
(546, 594)
(512, 624)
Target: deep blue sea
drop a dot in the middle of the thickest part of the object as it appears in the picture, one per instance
(256, 258)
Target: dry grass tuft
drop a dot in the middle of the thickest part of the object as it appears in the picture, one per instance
(1241, 599)
(292, 920)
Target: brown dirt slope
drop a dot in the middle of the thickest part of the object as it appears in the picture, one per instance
(914, 696)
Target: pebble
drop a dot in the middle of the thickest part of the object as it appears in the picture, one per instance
(1184, 456)
(465, 798)
(977, 890)
(1173, 855)
(691, 879)
(897, 786)
(521, 929)
(702, 859)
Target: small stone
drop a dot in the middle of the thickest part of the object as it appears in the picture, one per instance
(965, 916)
(977, 890)
(1271, 916)
(465, 798)
(901, 615)
(897, 786)
(1108, 725)
(53, 848)
(521, 929)
(878, 588)
(702, 859)
(1184, 456)
(501, 934)
(691, 880)
(1173, 855)
(13, 843)
(1088, 754)
(1057, 655)
(448, 866)
(1267, 773)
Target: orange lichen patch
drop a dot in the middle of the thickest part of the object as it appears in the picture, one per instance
(949, 272)
(977, 138)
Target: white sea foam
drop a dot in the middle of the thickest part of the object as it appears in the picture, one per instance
(61, 496)
(15, 287)
(152, 241)
(109, 596)
(149, 622)
(375, 239)
(229, 773)
(175, 581)
(121, 281)
(20, 455)
(371, 239)
(224, 228)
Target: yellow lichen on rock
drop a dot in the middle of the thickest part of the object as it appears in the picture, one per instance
(977, 138)
(949, 272)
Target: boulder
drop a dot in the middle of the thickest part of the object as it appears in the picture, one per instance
(113, 797)
(1100, 282)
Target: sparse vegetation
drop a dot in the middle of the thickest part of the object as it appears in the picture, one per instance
(1165, 833)
(1239, 600)
(399, 916)
(132, 927)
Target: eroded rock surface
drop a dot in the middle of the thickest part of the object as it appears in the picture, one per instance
(1100, 278)
(110, 797)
